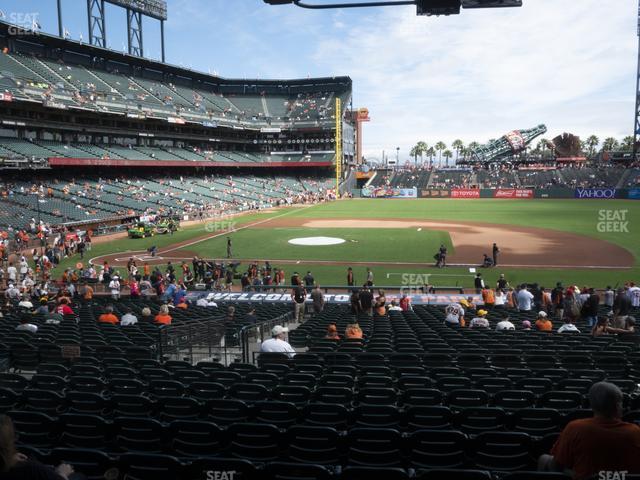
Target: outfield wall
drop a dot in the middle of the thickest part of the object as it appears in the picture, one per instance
(504, 193)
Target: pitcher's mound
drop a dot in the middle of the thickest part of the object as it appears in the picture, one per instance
(317, 241)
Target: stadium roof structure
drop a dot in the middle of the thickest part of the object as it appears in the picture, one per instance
(39, 39)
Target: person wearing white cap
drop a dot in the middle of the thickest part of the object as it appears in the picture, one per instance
(277, 342)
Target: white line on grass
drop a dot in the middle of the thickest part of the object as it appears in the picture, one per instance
(195, 242)
(375, 263)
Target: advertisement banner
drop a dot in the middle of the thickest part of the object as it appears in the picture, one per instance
(633, 194)
(6, 97)
(513, 193)
(388, 192)
(595, 193)
(434, 194)
(341, 298)
(177, 120)
(54, 104)
(465, 193)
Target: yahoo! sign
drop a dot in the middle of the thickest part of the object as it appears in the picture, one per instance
(595, 193)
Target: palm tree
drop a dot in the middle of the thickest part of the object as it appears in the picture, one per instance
(542, 145)
(447, 154)
(471, 147)
(627, 143)
(609, 144)
(458, 145)
(432, 153)
(440, 146)
(414, 152)
(592, 143)
(584, 146)
(423, 150)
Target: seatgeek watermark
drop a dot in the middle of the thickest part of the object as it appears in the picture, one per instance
(220, 226)
(414, 283)
(612, 474)
(612, 221)
(220, 474)
(22, 23)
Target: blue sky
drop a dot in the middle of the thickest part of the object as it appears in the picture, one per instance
(569, 64)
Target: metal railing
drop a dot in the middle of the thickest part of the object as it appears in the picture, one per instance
(195, 341)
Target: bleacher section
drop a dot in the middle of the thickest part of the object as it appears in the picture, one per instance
(77, 86)
(590, 177)
(46, 149)
(496, 179)
(414, 397)
(90, 198)
(567, 177)
(451, 179)
(538, 178)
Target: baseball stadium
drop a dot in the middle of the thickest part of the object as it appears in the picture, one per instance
(218, 278)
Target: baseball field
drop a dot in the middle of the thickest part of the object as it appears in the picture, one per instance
(586, 242)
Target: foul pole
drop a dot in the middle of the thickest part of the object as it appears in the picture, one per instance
(338, 144)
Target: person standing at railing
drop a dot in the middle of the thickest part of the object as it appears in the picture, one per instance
(299, 296)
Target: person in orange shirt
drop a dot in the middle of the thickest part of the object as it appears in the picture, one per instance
(510, 298)
(163, 316)
(603, 443)
(488, 298)
(88, 292)
(108, 316)
(146, 269)
(353, 331)
(543, 324)
(182, 304)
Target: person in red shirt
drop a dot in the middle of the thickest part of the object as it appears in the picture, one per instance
(108, 316)
(64, 308)
(603, 443)
(405, 303)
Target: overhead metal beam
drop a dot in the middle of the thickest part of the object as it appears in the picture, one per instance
(97, 30)
(134, 33)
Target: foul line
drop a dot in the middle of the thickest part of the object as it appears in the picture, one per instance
(375, 263)
(132, 253)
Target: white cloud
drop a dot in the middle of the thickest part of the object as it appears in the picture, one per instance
(570, 65)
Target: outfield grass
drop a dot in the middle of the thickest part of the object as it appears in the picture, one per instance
(408, 245)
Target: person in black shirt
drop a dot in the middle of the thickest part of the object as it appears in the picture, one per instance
(309, 281)
(299, 296)
(589, 309)
(502, 282)
(536, 291)
(16, 466)
(621, 304)
(478, 283)
(350, 277)
(356, 307)
(295, 279)
(250, 317)
(557, 299)
(366, 299)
